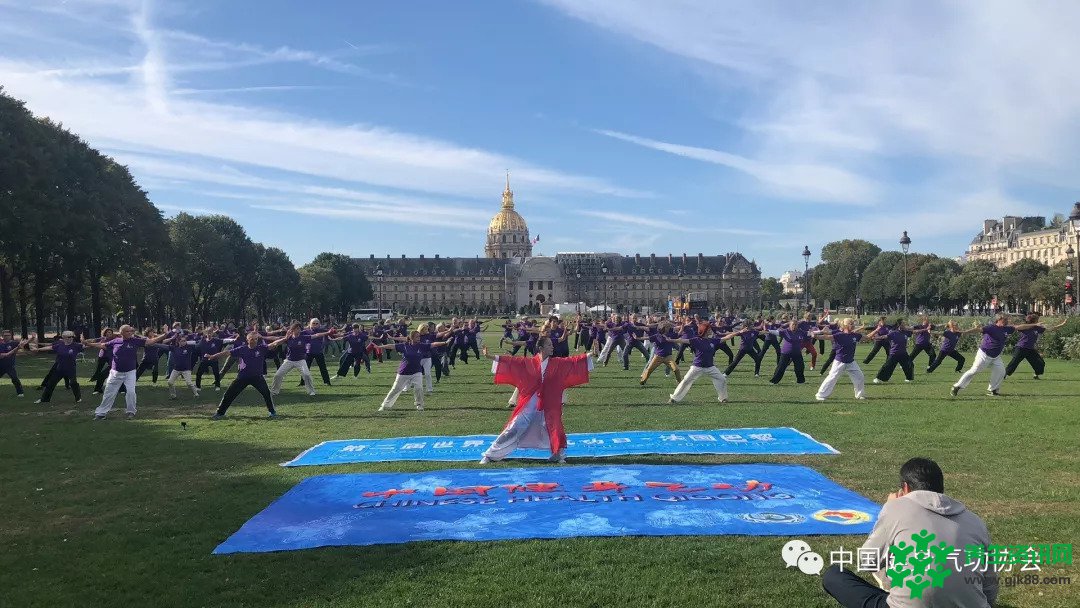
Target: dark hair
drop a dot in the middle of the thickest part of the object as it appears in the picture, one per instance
(923, 474)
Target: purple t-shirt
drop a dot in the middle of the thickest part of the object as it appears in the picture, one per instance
(749, 340)
(792, 341)
(250, 361)
(923, 338)
(297, 347)
(124, 353)
(65, 356)
(661, 343)
(357, 342)
(6, 347)
(315, 345)
(898, 341)
(704, 350)
(993, 341)
(844, 346)
(949, 340)
(1029, 337)
(411, 355)
(211, 346)
(181, 355)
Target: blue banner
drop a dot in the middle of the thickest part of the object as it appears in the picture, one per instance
(757, 441)
(554, 502)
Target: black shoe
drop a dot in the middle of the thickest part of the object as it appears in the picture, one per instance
(954, 391)
(993, 394)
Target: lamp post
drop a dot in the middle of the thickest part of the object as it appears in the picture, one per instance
(1068, 267)
(1074, 219)
(577, 282)
(806, 274)
(379, 283)
(905, 243)
(626, 297)
(603, 275)
(858, 294)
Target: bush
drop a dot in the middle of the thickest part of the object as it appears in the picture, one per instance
(1056, 344)
(1070, 348)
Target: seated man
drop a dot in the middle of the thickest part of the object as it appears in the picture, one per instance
(920, 512)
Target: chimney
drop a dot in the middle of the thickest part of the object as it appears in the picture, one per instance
(684, 258)
(652, 258)
(373, 256)
(637, 259)
(436, 256)
(403, 256)
(421, 256)
(669, 259)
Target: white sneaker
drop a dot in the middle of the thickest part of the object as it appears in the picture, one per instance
(876, 381)
(860, 397)
(485, 460)
(724, 400)
(419, 408)
(20, 395)
(383, 408)
(906, 380)
(38, 401)
(217, 388)
(335, 377)
(820, 398)
(196, 394)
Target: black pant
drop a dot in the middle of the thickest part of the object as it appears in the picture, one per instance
(755, 356)
(1031, 355)
(239, 385)
(878, 345)
(619, 342)
(781, 367)
(350, 359)
(212, 366)
(52, 370)
(101, 373)
(54, 378)
(724, 348)
(923, 348)
(941, 357)
(14, 375)
(828, 361)
(146, 365)
(765, 346)
(321, 360)
(890, 364)
(474, 346)
(679, 358)
(626, 352)
(851, 590)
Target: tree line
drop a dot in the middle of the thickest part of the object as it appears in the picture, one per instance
(81, 241)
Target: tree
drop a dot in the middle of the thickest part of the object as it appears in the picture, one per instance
(977, 283)
(319, 288)
(883, 280)
(1017, 279)
(771, 292)
(206, 262)
(1049, 289)
(930, 285)
(834, 279)
(276, 282)
(354, 286)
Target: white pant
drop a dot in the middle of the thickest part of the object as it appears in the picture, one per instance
(982, 361)
(606, 351)
(426, 365)
(416, 381)
(719, 381)
(853, 371)
(527, 427)
(288, 365)
(186, 375)
(112, 387)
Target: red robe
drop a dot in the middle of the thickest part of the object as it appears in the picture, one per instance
(523, 373)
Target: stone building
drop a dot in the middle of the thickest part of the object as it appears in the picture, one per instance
(509, 277)
(1014, 238)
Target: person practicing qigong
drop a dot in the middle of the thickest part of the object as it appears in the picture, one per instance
(540, 382)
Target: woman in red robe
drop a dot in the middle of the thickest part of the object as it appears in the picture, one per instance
(540, 381)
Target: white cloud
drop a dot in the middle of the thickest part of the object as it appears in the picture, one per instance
(646, 221)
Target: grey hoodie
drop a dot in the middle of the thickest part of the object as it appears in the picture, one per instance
(951, 522)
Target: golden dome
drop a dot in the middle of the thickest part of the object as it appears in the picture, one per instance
(507, 220)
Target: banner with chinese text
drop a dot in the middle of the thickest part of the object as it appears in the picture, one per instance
(759, 441)
(554, 502)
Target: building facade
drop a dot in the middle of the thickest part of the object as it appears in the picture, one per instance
(1016, 238)
(510, 278)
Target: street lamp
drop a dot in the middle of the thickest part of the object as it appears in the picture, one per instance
(806, 274)
(905, 243)
(858, 293)
(379, 284)
(1068, 266)
(1074, 219)
(603, 274)
(577, 281)
(626, 297)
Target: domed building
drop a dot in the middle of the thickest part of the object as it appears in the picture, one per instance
(508, 234)
(510, 278)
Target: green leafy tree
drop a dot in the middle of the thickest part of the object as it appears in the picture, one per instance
(354, 286)
(276, 282)
(319, 288)
(1017, 279)
(771, 292)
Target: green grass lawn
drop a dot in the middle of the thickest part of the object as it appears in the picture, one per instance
(121, 513)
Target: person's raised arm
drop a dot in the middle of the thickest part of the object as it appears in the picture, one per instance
(484, 353)
(214, 357)
(155, 339)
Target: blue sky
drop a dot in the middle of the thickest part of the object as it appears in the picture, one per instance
(627, 125)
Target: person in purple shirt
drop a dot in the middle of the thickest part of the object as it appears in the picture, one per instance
(844, 342)
(249, 371)
(1025, 348)
(508, 332)
(663, 343)
(747, 347)
(704, 346)
(792, 338)
(768, 339)
(101, 370)
(125, 350)
(832, 328)
(296, 349)
(949, 338)
(316, 349)
(923, 343)
(633, 332)
(615, 338)
(67, 351)
(898, 355)
(182, 349)
(357, 341)
(211, 344)
(9, 348)
(881, 328)
(410, 371)
(151, 358)
(989, 354)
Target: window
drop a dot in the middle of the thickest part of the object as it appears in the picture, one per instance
(549, 285)
(504, 238)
